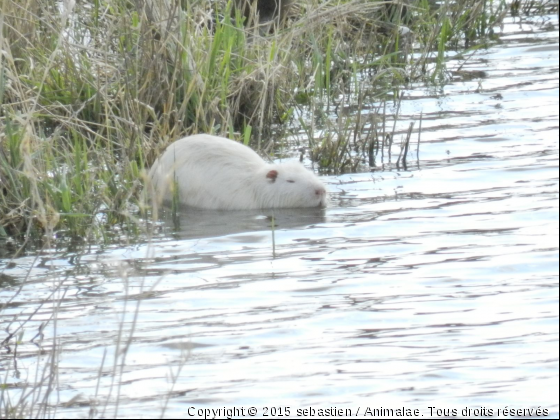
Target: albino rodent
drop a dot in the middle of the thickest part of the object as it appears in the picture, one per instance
(221, 174)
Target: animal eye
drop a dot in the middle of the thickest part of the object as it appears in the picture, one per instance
(291, 181)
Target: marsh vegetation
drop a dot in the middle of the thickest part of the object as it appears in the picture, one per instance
(92, 92)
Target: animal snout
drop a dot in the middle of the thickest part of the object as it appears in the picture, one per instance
(320, 192)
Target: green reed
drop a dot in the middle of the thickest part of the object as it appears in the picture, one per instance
(90, 97)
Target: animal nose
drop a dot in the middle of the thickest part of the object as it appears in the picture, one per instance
(320, 192)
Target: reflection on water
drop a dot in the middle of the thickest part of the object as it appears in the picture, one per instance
(436, 287)
(192, 223)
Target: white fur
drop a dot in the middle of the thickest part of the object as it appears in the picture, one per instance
(218, 173)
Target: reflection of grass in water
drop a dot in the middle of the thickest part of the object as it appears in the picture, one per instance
(26, 393)
(27, 397)
(91, 96)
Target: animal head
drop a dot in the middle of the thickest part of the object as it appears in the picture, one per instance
(292, 185)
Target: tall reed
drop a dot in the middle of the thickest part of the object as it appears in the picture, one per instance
(90, 96)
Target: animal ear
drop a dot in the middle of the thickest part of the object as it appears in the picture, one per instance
(272, 175)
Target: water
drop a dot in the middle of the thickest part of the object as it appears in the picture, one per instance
(430, 289)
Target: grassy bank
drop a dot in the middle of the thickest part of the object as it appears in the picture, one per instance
(90, 95)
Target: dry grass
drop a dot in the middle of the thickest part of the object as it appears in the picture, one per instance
(90, 95)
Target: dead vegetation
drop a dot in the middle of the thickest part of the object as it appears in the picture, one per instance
(91, 93)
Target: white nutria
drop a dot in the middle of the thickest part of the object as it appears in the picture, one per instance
(217, 173)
